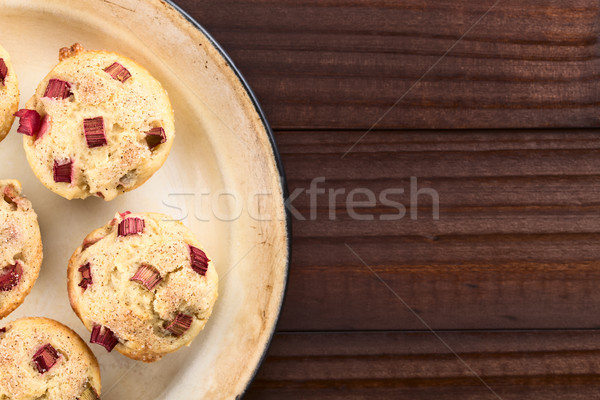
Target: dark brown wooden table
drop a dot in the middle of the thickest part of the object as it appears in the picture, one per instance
(494, 105)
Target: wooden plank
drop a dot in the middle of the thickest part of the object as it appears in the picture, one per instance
(460, 295)
(515, 246)
(417, 365)
(318, 64)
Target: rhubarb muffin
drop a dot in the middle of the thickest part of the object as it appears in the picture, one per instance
(42, 359)
(142, 284)
(20, 247)
(9, 93)
(98, 125)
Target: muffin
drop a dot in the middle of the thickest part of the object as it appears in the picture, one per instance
(98, 125)
(142, 284)
(42, 359)
(9, 93)
(20, 247)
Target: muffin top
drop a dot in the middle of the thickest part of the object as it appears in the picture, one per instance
(42, 359)
(143, 283)
(98, 125)
(20, 246)
(9, 93)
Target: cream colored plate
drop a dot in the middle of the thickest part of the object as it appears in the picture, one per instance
(221, 179)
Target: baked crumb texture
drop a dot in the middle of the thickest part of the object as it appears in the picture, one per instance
(71, 51)
(74, 371)
(20, 247)
(140, 312)
(117, 107)
(9, 93)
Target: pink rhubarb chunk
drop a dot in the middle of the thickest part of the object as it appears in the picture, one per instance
(199, 260)
(155, 136)
(11, 196)
(29, 123)
(104, 337)
(45, 358)
(118, 72)
(180, 324)
(57, 89)
(45, 127)
(93, 128)
(10, 276)
(63, 171)
(147, 276)
(131, 226)
(3, 71)
(86, 276)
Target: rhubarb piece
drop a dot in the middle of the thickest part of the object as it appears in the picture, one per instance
(86, 276)
(131, 226)
(180, 324)
(11, 192)
(57, 89)
(63, 171)
(118, 72)
(45, 126)
(11, 196)
(3, 70)
(115, 220)
(199, 260)
(104, 337)
(3, 330)
(93, 129)
(89, 393)
(147, 276)
(155, 136)
(45, 358)
(10, 277)
(29, 123)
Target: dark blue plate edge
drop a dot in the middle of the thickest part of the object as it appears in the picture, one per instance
(280, 169)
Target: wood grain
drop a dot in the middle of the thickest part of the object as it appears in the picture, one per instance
(502, 124)
(417, 365)
(515, 246)
(344, 63)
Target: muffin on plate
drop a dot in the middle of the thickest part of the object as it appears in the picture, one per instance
(20, 247)
(142, 284)
(9, 93)
(42, 359)
(98, 125)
